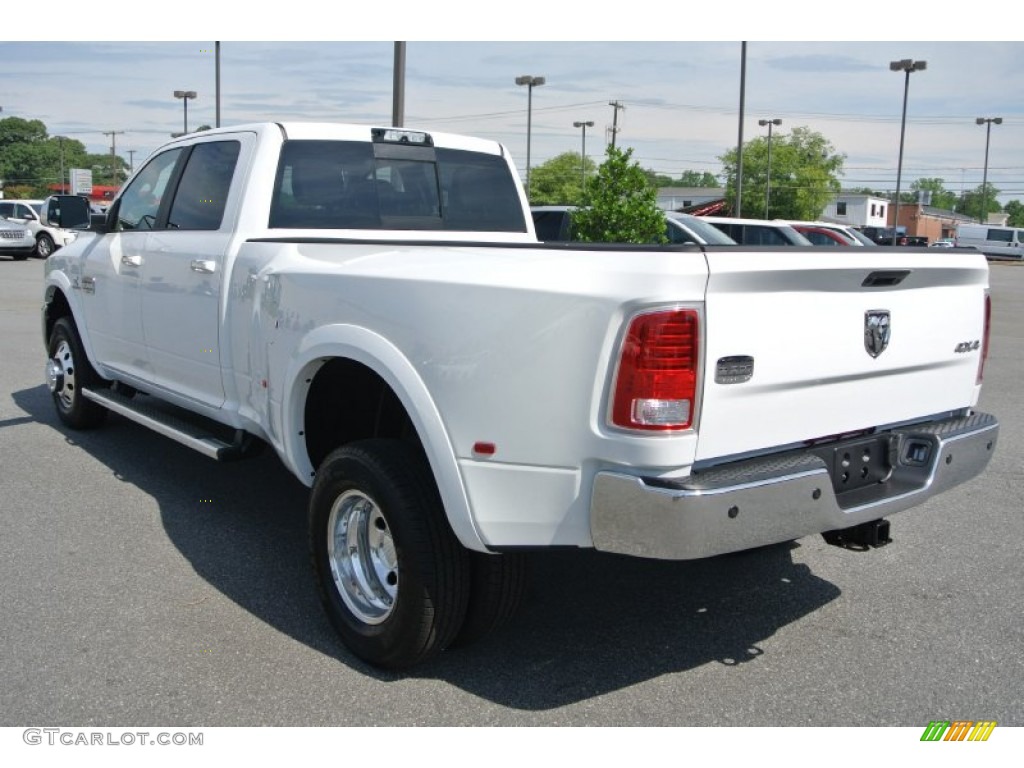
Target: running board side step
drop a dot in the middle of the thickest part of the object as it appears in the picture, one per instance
(191, 436)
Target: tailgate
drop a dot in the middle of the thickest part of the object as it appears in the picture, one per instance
(812, 325)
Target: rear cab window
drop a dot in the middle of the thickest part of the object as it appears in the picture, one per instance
(324, 184)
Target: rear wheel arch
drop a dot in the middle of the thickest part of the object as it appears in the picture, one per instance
(399, 402)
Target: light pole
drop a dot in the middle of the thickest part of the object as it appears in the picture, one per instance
(529, 81)
(584, 125)
(987, 122)
(185, 95)
(908, 66)
(768, 187)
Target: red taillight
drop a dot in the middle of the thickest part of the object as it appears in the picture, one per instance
(984, 340)
(656, 383)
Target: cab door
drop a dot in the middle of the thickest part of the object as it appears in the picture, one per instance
(109, 283)
(182, 277)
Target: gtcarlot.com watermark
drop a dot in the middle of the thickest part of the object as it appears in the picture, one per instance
(69, 737)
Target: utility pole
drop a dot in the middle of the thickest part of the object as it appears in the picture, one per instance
(216, 49)
(398, 88)
(616, 106)
(113, 152)
(131, 160)
(739, 140)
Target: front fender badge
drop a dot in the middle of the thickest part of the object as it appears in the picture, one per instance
(877, 330)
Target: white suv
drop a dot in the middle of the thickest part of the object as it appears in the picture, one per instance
(758, 231)
(15, 240)
(31, 215)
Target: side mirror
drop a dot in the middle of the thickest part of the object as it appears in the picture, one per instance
(98, 223)
(68, 212)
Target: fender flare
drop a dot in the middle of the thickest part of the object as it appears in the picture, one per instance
(59, 282)
(387, 361)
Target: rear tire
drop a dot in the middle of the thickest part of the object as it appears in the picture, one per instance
(67, 371)
(497, 588)
(392, 576)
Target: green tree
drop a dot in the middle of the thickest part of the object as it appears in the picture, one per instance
(1016, 210)
(941, 197)
(620, 205)
(805, 170)
(31, 160)
(971, 203)
(697, 179)
(559, 181)
(656, 179)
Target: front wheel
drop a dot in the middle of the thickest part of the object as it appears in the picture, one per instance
(44, 246)
(392, 577)
(67, 372)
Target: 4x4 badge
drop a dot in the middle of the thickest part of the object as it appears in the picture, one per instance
(876, 331)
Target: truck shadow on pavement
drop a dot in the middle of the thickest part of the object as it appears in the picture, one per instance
(592, 623)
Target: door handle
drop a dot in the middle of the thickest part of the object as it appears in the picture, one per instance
(131, 261)
(206, 266)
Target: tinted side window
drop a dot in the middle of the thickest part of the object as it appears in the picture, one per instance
(735, 231)
(140, 201)
(1001, 235)
(678, 236)
(757, 235)
(551, 225)
(203, 190)
(6, 209)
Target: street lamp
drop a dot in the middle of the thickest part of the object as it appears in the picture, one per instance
(987, 122)
(186, 95)
(908, 66)
(584, 125)
(768, 187)
(529, 81)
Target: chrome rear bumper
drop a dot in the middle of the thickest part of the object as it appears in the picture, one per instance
(766, 500)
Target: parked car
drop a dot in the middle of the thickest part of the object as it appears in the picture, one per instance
(886, 235)
(854, 236)
(857, 235)
(823, 235)
(684, 228)
(15, 240)
(758, 231)
(945, 242)
(554, 223)
(32, 215)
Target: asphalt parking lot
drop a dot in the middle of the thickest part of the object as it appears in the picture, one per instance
(143, 583)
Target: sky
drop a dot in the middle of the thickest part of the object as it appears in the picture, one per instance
(681, 97)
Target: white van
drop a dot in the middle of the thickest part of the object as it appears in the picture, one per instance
(1005, 242)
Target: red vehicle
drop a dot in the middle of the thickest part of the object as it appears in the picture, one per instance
(822, 235)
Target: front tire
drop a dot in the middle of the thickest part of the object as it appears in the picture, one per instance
(392, 577)
(44, 246)
(67, 371)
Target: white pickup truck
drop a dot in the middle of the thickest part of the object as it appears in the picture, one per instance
(373, 304)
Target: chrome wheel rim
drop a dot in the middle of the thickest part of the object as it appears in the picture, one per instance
(60, 375)
(361, 552)
(44, 247)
